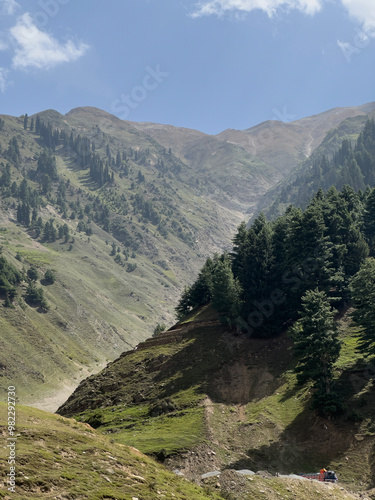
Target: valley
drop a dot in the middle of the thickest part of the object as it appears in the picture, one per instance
(105, 225)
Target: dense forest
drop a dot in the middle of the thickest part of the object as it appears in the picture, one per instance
(295, 272)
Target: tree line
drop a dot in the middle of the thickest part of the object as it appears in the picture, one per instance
(353, 164)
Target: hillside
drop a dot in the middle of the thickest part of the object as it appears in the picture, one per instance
(270, 368)
(136, 224)
(201, 399)
(325, 167)
(58, 458)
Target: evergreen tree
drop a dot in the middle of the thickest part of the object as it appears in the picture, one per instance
(5, 179)
(363, 293)
(225, 291)
(183, 307)
(25, 121)
(49, 277)
(369, 221)
(37, 124)
(316, 345)
(238, 252)
(33, 274)
(47, 164)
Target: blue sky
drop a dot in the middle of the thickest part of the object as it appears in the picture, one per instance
(208, 65)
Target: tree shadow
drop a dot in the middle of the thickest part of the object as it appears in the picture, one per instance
(312, 441)
(226, 368)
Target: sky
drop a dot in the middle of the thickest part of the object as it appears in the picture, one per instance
(208, 65)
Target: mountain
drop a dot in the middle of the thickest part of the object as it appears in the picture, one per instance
(280, 144)
(284, 145)
(201, 399)
(136, 224)
(333, 163)
(269, 368)
(125, 215)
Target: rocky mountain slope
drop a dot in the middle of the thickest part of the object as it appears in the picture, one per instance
(280, 144)
(303, 181)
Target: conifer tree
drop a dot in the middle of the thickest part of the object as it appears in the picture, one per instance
(225, 291)
(369, 221)
(363, 293)
(316, 346)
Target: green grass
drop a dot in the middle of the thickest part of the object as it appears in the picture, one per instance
(167, 434)
(36, 257)
(283, 406)
(58, 457)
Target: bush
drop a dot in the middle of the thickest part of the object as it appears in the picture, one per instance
(159, 328)
(33, 274)
(131, 267)
(49, 277)
(354, 416)
(35, 296)
(327, 404)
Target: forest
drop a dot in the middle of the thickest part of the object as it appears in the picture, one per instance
(299, 271)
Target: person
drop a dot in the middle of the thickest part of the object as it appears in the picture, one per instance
(322, 474)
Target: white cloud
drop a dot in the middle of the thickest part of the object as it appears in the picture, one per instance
(3, 79)
(363, 11)
(219, 7)
(37, 49)
(8, 7)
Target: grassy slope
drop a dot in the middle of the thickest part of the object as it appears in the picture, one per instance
(57, 457)
(237, 397)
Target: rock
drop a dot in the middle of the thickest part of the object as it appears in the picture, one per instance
(178, 472)
(211, 474)
(139, 478)
(245, 472)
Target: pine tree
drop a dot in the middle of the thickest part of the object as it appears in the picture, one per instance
(37, 124)
(363, 293)
(316, 345)
(225, 291)
(369, 221)
(238, 252)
